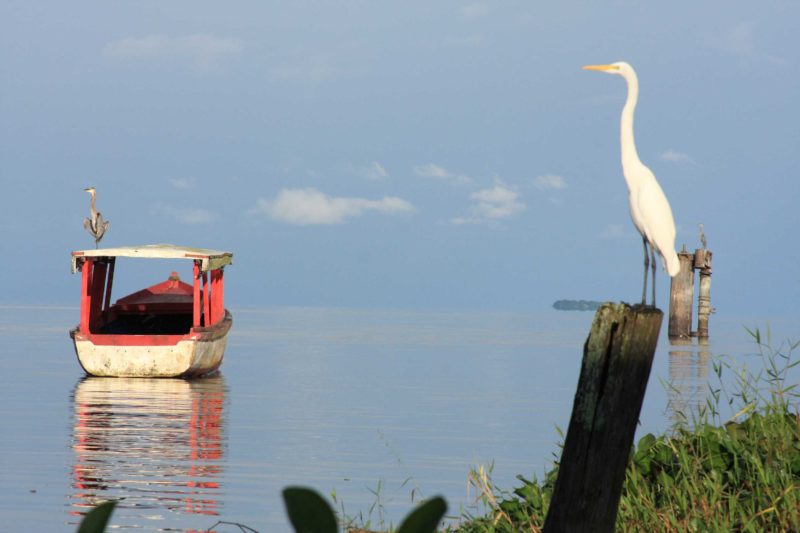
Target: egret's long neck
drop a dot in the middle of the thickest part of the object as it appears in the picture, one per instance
(627, 143)
(91, 206)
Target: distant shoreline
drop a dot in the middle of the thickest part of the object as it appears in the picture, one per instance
(576, 305)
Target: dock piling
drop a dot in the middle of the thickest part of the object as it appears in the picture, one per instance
(702, 262)
(616, 365)
(681, 293)
(681, 296)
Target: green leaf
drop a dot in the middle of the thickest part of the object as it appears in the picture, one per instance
(425, 518)
(95, 520)
(646, 442)
(308, 511)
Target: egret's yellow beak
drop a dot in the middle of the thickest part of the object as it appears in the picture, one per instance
(604, 68)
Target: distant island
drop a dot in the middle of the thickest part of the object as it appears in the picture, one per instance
(576, 305)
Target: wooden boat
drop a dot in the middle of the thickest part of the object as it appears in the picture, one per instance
(171, 329)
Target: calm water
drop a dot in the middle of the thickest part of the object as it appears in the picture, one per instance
(354, 402)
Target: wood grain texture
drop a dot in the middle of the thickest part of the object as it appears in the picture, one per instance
(616, 365)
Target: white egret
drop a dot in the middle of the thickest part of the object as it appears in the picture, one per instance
(95, 225)
(650, 209)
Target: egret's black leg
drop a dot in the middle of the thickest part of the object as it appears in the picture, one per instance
(646, 264)
(653, 272)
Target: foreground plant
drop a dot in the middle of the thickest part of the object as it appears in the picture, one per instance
(96, 520)
(736, 474)
(308, 513)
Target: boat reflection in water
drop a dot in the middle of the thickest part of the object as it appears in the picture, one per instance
(156, 444)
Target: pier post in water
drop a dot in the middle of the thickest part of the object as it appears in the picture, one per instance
(702, 262)
(616, 365)
(681, 298)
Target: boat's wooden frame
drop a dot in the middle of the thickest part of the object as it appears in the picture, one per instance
(187, 324)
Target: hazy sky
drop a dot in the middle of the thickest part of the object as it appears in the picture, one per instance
(403, 154)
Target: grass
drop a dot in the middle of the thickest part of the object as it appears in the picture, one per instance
(733, 466)
(375, 516)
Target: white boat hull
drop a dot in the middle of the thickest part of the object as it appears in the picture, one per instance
(195, 354)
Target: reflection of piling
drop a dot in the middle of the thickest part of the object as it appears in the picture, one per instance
(702, 262)
(688, 378)
(681, 295)
(616, 364)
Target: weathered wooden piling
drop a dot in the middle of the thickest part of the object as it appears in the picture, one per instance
(702, 262)
(681, 298)
(681, 295)
(616, 365)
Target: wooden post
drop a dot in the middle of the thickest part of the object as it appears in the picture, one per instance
(215, 296)
(681, 298)
(196, 295)
(222, 293)
(206, 301)
(98, 287)
(616, 365)
(87, 269)
(702, 261)
(112, 261)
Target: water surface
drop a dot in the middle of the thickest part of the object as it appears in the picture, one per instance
(353, 402)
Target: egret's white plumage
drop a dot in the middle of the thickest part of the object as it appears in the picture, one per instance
(650, 209)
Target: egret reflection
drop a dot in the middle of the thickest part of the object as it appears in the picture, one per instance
(157, 444)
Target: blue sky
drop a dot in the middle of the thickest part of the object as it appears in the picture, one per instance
(405, 154)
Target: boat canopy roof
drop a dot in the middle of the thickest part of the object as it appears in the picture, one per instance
(210, 259)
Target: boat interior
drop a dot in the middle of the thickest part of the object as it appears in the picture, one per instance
(171, 308)
(146, 324)
(163, 309)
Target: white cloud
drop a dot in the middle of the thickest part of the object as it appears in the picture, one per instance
(373, 171)
(189, 216)
(674, 156)
(549, 181)
(432, 170)
(613, 231)
(497, 202)
(740, 40)
(203, 52)
(182, 183)
(475, 10)
(309, 206)
(493, 204)
(314, 66)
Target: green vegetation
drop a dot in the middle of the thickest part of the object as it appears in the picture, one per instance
(713, 474)
(96, 520)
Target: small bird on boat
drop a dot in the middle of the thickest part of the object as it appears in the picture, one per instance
(649, 207)
(703, 237)
(95, 225)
